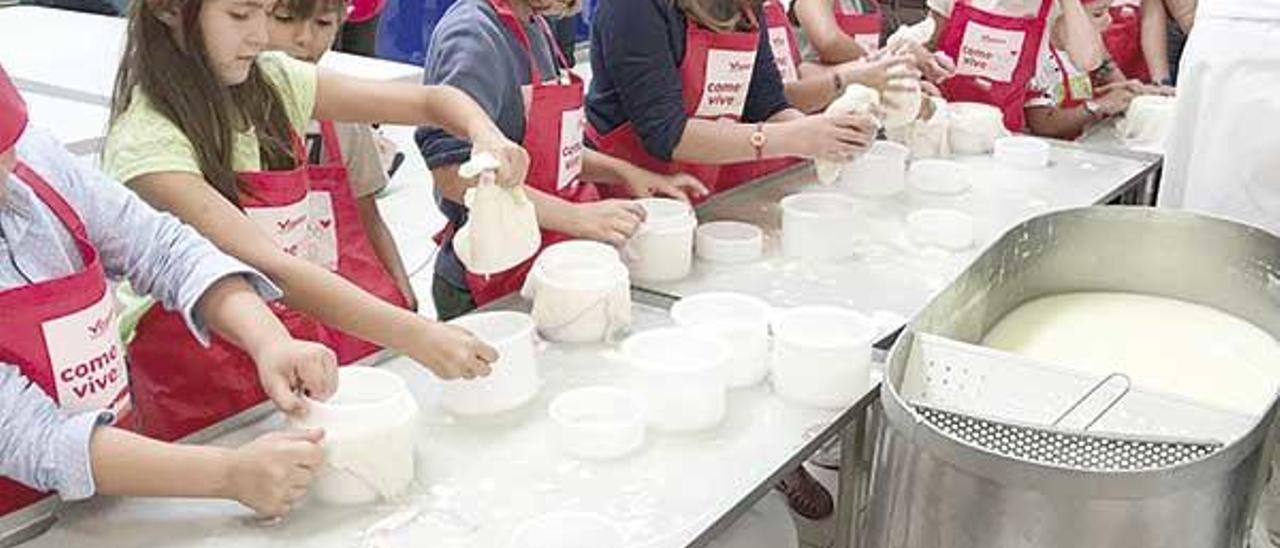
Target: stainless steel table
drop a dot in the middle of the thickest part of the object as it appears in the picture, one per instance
(478, 479)
(889, 273)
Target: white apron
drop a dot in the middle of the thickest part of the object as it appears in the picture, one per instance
(1223, 153)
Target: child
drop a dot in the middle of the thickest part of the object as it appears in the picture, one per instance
(206, 125)
(63, 230)
(656, 102)
(306, 29)
(975, 32)
(1062, 101)
(809, 84)
(496, 50)
(692, 86)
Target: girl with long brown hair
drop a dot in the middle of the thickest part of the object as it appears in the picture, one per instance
(205, 126)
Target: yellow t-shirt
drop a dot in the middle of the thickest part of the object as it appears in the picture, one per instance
(143, 141)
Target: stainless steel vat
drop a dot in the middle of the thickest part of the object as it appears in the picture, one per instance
(930, 490)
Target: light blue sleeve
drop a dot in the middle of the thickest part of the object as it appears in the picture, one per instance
(158, 254)
(41, 447)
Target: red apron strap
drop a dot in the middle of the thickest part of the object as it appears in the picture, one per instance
(507, 15)
(1045, 6)
(54, 201)
(1069, 98)
(331, 144)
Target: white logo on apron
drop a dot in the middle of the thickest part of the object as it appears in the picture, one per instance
(781, 44)
(727, 82)
(286, 224)
(323, 228)
(88, 359)
(989, 52)
(572, 127)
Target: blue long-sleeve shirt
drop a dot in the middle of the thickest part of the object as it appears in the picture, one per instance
(40, 445)
(473, 51)
(637, 47)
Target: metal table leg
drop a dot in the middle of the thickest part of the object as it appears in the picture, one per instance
(849, 500)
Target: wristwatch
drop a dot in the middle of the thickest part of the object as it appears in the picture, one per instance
(758, 140)
(1094, 109)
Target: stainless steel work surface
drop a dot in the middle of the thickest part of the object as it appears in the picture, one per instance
(478, 479)
(890, 273)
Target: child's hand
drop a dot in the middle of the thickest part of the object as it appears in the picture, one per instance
(835, 137)
(681, 186)
(451, 352)
(609, 221)
(879, 72)
(1116, 97)
(291, 366)
(271, 474)
(512, 159)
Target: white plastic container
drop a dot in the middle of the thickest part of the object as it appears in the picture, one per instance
(681, 378)
(945, 228)
(369, 427)
(662, 249)
(938, 183)
(567, 530)
(822, 355)
(1147, 119)
(974, 127)
(514, 380)
(879, 172)
(729, 242)
(819, 226)
(1023, 152)
(597, 422)
(741, 321)
(581, 292)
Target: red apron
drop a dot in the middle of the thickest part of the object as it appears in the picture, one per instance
(1124, 42)
(63, 334)
(716, 73)
(182, 387)
(1071, 97)
(340, 244)
(555, 120)
(865, 28)
(782, 39)
(995, 58)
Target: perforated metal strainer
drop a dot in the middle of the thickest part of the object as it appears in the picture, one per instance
(1042, 413)
(1077, 450)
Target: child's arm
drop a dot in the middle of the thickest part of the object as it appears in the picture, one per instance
(448, 351)
(346, 99)
(1155, 40)
(185, 272)
(609, 221)
(286, 366)
(73, 455)
(384, 246)
(602, 168)
(1058, 122)
(817, 18)
(1083, 42)
(1067, 123)
(269, 475)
